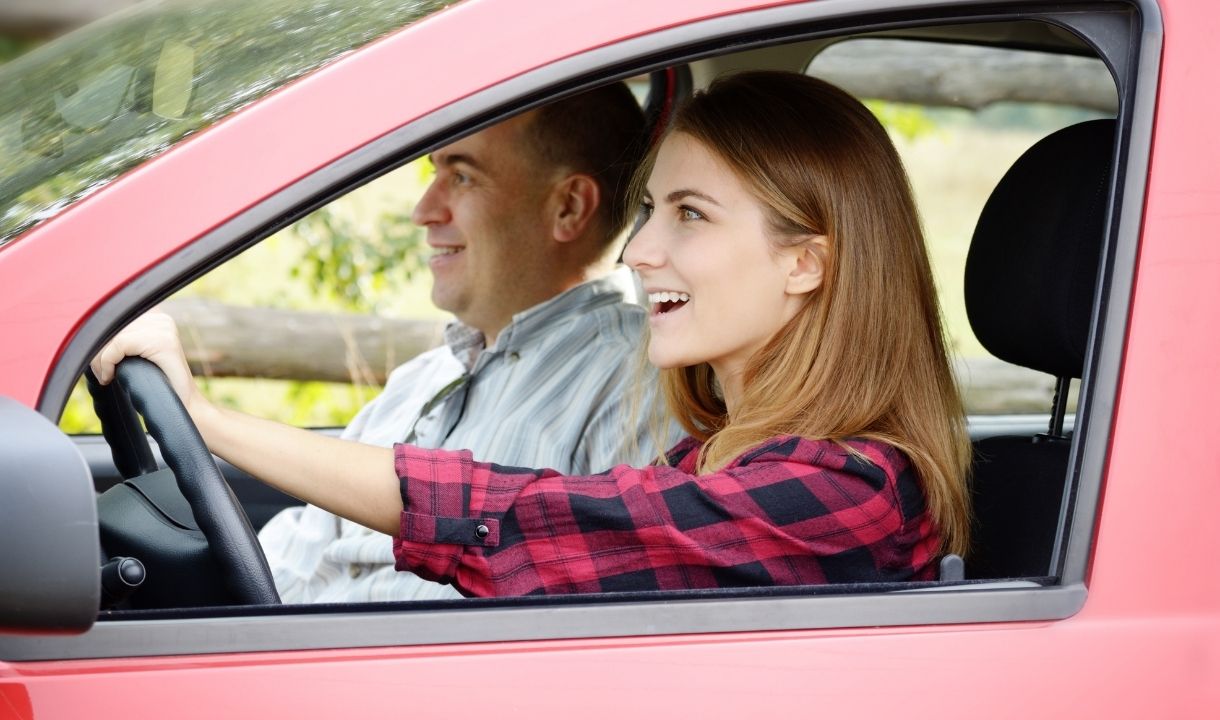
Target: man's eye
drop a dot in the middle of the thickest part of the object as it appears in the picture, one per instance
(460, 178)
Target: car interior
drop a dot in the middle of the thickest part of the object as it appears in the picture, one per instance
(1030, 289)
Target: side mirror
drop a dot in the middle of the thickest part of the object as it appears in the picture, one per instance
(49, 554)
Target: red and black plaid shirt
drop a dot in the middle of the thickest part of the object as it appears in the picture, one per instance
(789, 512)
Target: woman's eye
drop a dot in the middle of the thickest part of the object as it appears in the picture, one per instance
(688, 214)
(645, 211)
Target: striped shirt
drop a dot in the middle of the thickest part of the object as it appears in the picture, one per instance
(554, 391)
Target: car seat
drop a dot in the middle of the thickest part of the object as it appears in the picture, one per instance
(1031, 275)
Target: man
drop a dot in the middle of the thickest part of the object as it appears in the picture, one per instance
(525, 220)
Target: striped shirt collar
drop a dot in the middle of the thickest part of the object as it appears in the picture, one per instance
(467, 343)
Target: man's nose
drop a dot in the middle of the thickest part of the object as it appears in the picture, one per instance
(431, 208)
(644, 249)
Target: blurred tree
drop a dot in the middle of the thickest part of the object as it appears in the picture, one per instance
(904, 119)
(11, 47)
(353, 268)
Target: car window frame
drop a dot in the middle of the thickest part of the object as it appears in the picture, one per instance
(763, 609)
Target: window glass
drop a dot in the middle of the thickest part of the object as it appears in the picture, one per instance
(78, 112)
(960, 116)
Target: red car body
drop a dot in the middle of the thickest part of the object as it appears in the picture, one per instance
(1134, 630)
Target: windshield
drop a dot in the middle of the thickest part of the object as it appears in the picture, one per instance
(80, 111)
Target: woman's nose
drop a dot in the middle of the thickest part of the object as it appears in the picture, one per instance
(644, 249)
(431, 208)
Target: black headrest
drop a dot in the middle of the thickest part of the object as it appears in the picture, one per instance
(1033, 261)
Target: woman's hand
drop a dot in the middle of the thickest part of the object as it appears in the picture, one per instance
(354, 481)
(153, 336)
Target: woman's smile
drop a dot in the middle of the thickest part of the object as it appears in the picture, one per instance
(665, 302)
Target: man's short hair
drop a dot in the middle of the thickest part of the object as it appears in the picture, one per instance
(599, 132)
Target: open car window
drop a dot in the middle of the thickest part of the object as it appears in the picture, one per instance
(305, 326)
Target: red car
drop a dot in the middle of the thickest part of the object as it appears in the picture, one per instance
(1092, 589)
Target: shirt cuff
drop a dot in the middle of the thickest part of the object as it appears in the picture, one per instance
(436, 525)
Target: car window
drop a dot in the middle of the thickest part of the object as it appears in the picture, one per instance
(304, 326)
(80, 111)
(960, 115)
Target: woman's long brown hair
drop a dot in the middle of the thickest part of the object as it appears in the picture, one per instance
(865, 357)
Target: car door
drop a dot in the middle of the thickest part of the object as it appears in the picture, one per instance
(1066, 640)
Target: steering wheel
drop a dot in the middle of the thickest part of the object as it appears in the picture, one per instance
(141, 387)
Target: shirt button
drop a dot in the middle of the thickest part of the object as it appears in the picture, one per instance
(481, 531)
(354, 571)
(514, 356)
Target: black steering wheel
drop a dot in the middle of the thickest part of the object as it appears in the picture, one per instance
(141, 387)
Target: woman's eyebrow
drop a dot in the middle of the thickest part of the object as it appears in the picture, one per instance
(679, 195)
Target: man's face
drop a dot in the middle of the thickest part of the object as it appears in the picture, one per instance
(485, 217)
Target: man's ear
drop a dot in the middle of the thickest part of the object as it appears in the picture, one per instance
(575, 200)
(808, 265)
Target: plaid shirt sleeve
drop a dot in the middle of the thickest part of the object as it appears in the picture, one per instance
(790, 512)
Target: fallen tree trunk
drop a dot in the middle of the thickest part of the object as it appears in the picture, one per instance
(231, 341)
(994, 387)
(964, 76)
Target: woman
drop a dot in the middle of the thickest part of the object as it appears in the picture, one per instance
(794, 316)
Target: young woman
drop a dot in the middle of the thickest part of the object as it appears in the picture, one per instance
(795, 320)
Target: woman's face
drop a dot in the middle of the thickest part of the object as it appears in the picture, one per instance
(718, 288)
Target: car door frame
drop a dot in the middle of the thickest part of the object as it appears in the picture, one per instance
(773, 609)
